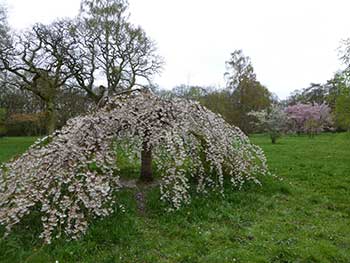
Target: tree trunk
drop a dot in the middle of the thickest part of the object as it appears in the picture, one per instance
(51, 117)
(273, 139)
(146, 164)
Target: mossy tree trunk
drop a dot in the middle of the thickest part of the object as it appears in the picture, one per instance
(51, 117)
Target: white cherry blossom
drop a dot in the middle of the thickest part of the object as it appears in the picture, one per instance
(72, 175)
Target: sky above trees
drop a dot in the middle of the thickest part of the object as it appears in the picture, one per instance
(290, 43)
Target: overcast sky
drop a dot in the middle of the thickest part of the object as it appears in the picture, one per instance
(291, 43)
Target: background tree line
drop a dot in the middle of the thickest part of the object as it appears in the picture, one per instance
(51, 73)
(335, 93)
(243, 93)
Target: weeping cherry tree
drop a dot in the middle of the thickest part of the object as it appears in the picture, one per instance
(73, 175)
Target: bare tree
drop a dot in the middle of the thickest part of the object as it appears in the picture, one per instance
(110, 50)
(5, 40)
(4, 28)
(37, 62)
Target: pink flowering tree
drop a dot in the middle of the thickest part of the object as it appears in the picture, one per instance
(72, 175)
(309, 118)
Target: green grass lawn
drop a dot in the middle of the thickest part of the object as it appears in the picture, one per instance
(302, 217)
(13, 146)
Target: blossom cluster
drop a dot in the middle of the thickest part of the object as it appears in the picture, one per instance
(273, 120)
(309, 118)
(72, 175)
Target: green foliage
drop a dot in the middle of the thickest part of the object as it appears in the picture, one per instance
(251, 96)
(302, 218)
(246, 93)
(342, 109)
(238, 68)
(219, 102)
(235, 106)
(188, 92)
(315, 93)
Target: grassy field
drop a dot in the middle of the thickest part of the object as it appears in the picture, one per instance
(303, 217)
(13, 146)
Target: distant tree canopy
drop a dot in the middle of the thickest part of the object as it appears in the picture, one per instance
(245, 92)
(319, 93)
(342, 109)
(316, 92)
(333, 93)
